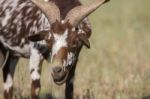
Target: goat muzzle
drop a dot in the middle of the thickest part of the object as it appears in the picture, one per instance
(59, 75)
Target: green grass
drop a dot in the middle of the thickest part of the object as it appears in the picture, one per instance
(117, 65)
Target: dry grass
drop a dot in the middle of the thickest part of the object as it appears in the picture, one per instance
(117, 65)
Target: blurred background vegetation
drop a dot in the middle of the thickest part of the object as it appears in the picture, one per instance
(118, 64)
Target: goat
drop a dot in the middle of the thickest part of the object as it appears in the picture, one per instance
(39, 29)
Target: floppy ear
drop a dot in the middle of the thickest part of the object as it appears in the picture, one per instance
(84, 40)
(39, 36)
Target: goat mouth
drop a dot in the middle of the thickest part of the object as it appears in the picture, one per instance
(59, 80)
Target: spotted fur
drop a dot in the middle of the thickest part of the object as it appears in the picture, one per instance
(22, 19)
(18, 20)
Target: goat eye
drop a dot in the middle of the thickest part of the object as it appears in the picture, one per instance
(76, 29)
(73, 45)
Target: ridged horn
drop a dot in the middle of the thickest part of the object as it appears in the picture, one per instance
(50, 9)
(78, 13)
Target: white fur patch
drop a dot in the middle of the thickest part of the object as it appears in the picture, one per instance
(64, 62)
(8, 15)
(23, 51)
(49, 36)
(35, 59)
(22, 41)
(37, 90)
(5, 20)
(73, 29)
(87, 22)
(8, 83)
(60, 41)
(46, 0)
(70, 58)
(62, 21)
(81, 31)
(35, 75)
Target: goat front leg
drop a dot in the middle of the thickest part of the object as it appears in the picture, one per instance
(8, 73)
(70, 83)
(35, 63)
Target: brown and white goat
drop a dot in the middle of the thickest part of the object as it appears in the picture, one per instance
(39, 29)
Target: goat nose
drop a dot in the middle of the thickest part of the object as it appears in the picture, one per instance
(57, 69)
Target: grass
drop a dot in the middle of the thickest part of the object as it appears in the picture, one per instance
(117, 65)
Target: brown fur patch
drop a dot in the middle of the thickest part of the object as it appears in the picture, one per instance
(60, 28)
(34, 86)
(9, 94)
(61, 56)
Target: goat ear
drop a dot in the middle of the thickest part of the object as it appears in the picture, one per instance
(39, 36)
(84, 40)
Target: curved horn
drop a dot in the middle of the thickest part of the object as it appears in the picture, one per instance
(49, 8)
(80, 12)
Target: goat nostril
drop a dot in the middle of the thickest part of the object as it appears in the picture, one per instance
(57, 69)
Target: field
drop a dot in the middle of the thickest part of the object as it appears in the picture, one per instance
(118, 64)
